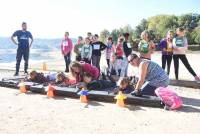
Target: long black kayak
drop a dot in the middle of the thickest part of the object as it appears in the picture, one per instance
(106, 95)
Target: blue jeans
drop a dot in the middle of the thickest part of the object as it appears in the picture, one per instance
(148, 90)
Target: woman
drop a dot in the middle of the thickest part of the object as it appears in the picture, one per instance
(78, 68)
(66, 48)
(151, 76)
(167, 50)
(146, 46)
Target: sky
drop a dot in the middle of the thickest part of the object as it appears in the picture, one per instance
(51, 18)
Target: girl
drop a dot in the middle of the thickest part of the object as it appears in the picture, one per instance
(109, 50)
(78, 48)
(146, 46)
(78, 68)
(61, 78)
(180, 45)
(119, 55)
(86, 52)
(167, 50)
(66, 48)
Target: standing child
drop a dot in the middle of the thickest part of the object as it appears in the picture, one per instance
(86, 52)
(119, 55)
(109, 50)
(66, 48)
(146, 46)
(167, 50)
(97, 47)
(180, 45)
(78, 48)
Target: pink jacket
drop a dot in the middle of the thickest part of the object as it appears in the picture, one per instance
(66, 46)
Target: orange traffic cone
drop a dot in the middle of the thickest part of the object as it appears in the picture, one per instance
(83, 95)
(44, 66)
(50, 92)
(83, 99)
(22, 87)
(120, 99)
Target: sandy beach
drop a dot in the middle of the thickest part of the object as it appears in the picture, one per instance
(35, 114)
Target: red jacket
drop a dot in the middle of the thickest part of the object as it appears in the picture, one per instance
(66, 46)
(94, 71)
(119, 50)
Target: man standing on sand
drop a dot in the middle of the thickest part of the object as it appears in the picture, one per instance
(23, 44)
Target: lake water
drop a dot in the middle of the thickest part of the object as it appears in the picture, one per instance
(8, 56)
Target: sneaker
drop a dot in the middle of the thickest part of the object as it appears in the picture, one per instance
(136, 93)
(16, 74)
(25, 73)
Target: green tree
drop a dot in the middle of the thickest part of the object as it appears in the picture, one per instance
(104, 35)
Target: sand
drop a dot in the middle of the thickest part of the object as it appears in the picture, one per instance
(35, 114)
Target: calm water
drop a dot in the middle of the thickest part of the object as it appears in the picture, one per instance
(7, 56)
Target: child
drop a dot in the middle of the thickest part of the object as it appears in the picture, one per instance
(180, 45)
(96, 84)
(86, 52)
(127, 84)
(97, 47)
(119, 55)
(109, 50)
(78, 68)
(146, 46)
(40, 77)
(78, 48)
(64, 80)
(167, 50)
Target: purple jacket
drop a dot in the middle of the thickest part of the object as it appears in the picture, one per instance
(162, 45)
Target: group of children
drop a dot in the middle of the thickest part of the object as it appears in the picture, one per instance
(85, 71)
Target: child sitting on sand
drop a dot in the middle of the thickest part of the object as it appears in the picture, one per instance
(41, 78)
(91, 84)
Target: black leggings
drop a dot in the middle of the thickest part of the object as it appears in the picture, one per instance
(166, 59)
(108, 62)
(184, 60)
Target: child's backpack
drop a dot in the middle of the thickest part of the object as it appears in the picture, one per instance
(170, 99)
(143, 47)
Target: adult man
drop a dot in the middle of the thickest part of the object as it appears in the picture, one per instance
(23, 44)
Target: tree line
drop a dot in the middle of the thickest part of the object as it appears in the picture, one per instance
(158, 26)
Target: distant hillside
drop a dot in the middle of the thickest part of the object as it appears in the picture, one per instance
(6, 43)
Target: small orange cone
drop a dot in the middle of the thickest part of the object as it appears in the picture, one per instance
(22, 87)
(83, 99)
(50, 92)
(120, 99)
(44, 66)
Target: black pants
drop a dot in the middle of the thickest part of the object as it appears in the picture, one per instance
(67, 61)
(184, 60)
(25, 54)
(108, 62)
(78, 58)
(96, 61)
(166, 59)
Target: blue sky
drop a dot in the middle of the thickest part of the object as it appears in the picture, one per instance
(51, 18)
